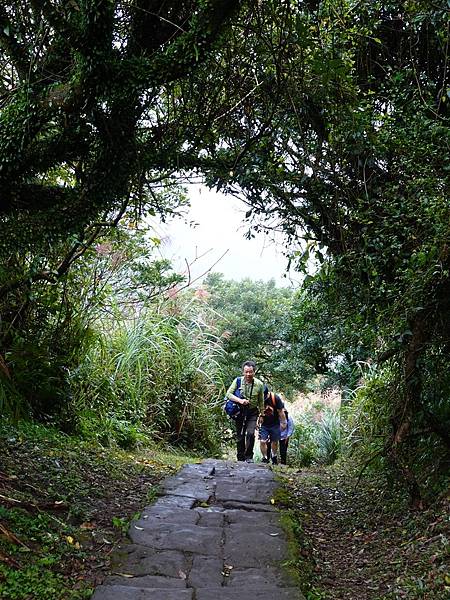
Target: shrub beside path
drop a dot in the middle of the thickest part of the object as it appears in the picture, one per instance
(212, 535)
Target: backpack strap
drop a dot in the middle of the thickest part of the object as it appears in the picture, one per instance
(272, 397)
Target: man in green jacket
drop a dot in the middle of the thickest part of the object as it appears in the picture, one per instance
(250, 395)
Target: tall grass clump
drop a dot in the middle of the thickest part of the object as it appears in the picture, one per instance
(302, 447)
(317, 437)
(328, 437)
(153, 375)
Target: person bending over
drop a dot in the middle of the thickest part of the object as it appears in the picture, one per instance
(271, 422)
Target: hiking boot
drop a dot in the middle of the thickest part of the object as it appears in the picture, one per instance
(274, 460)
(265, 460)
(249, 460)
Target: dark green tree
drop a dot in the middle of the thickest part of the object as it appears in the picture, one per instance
(254, 318)
(357, 165)
(102, 104)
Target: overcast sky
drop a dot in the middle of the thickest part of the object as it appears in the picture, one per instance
(220, 230)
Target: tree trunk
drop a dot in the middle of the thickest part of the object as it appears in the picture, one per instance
(407, 409)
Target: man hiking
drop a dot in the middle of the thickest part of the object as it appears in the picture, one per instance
(248, 391)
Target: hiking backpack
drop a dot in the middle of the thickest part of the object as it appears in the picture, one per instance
(274, 403)
(232, 408)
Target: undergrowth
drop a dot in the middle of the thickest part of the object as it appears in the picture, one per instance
(359, 539)
(65, 504)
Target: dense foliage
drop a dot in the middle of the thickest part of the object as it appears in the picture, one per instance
(357, 165)
(329, 118)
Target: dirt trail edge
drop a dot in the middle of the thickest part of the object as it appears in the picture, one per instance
(213, 534)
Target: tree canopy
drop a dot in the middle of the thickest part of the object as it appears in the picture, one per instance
(89, 87)
(328, 118)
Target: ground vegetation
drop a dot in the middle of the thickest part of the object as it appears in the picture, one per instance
(358, 539)
(66, 505)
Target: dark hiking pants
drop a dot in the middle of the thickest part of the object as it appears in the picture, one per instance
(245, 434)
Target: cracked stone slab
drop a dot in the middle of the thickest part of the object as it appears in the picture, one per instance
(146, 581)
(254, 518)
(261, 529)
(253, 548)
(244, 470)
(202, 469)
(140, 560)
(168, 514)
(185, 538)
(210, 518)
(258, 492)
(193, 477)
(175, 501)
(121, 592)
(152, 526)
(199, 490)
(254, 577)
(210, 508)
(249, 593)
(230, 504)
(206, 572)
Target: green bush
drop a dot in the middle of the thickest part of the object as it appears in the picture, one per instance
(302, 447)
(108, 431)
(367, 415)
(316, 439)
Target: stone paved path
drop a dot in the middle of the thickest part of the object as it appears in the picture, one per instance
(213, 535)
